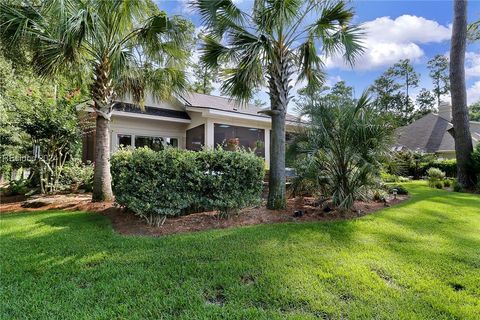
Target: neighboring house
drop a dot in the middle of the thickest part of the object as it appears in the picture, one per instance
(433, 134)
(190, 122)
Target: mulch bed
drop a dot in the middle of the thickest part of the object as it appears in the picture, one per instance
(127, 223)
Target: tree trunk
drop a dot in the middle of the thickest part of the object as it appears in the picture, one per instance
(279, 88)
(461, 125)
(277, 179)
(102, 181)
(102, 93)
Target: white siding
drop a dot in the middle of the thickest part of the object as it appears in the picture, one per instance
(146, 127)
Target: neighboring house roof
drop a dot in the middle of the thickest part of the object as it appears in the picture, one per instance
(199, 100)
(429, 134)
(153, 111)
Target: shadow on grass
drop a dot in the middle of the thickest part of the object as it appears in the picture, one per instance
(320, 269)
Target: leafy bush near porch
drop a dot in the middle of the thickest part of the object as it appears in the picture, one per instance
(156, 185)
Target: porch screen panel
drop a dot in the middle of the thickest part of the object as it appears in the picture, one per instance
(195, 138)
(232, 137)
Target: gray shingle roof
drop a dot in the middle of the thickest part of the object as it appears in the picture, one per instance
(429, 134)
(199, 100)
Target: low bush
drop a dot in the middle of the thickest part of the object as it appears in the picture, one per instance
(400, 189)
(388, 177)
(416, 164)
(379, 195)
(435, 178)
(438, 184)
(17, 187)
(435, 173)
(77, 175)
(448, 166)
(457, 187)
(447, 183)
(157, 185)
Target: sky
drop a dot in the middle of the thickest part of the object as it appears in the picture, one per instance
(408, 29)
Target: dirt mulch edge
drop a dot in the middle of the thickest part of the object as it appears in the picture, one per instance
(126, 223)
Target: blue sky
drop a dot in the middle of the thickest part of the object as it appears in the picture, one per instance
(417, 30)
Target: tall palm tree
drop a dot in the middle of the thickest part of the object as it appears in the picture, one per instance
(120, 46)
(461, 125)
(271, 46)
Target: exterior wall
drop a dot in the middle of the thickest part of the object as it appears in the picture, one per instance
(141, 125)
(146, 127)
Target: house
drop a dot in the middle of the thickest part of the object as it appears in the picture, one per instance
(189, 122)
(433, 134)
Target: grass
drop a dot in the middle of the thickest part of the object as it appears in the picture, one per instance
(418, 260)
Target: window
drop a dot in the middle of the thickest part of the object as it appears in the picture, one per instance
(232, 137)
(154, 143)
(171, 142)
(124, 140)
(196, 138)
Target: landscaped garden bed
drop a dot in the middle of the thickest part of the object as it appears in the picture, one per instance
(125, 222)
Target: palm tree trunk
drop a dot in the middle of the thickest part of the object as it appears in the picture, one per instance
(102, 93)
(277, 179)
(279, 88)
(461, 125)
(102, 181)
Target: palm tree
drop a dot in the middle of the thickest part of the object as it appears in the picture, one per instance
(339, 153)
(121, 47)
(270, 46)
(461, 125)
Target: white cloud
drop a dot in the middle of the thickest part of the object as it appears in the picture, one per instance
(388, 40)
(472, 64)
(473, 93)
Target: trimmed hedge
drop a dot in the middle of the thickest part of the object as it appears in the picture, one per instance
(156, 185)
(447, 166)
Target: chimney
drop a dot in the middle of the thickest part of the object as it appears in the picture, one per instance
(445, 111)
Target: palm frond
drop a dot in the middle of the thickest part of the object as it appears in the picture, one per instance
(310, 65)
(337, 35)
(219, 15)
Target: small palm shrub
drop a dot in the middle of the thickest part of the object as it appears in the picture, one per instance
(157, 185)
(339, 152)
(435, 178)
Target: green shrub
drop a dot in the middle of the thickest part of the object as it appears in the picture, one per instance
(387, 177)
(448, 166)
(400, 189)
(438, 184)
(379, 195)
(436, 174)
(476, 159)
(457, 187)
(447, 183)
(435, 178)
(17, 187)
(156, 185)
(77, 175)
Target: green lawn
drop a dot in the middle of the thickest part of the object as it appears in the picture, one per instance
(420, 259)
